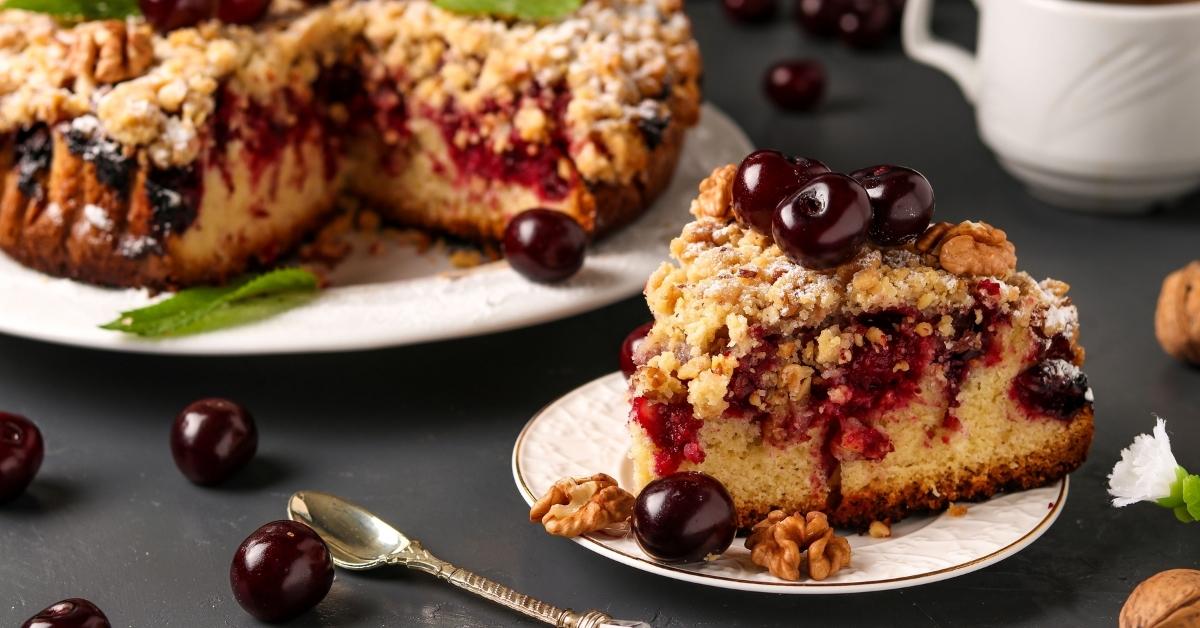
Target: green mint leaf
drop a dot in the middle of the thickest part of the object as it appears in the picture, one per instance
(84, 9)
(197, 310)
(1175, 499)
(519, 9)
(1191, 495)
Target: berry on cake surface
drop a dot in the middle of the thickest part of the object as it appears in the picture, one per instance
(187, 154)
(901, 380)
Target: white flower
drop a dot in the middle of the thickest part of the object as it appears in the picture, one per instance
(1146, 470)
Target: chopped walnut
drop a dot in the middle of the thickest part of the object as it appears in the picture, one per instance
(784, 544)
(969, 249)
(110, 51)
(1177, 317)
(575, 506)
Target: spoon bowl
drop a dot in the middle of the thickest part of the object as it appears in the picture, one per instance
(357, 539)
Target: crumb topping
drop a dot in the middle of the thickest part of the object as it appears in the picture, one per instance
(730, 287)
(624, 63)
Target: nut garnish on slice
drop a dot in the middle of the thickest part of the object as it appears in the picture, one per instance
(575, 506)
(969, 249)
(784, 544)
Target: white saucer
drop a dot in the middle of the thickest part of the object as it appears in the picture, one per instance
(584, 432)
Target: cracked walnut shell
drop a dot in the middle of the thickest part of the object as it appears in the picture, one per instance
(575, 506)
(1169, 599)
(785, 544)
(969, 249)
(1177, 318)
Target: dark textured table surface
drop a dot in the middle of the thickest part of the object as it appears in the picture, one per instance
(423, 434)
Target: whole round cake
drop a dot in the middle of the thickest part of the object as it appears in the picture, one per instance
(138, 158)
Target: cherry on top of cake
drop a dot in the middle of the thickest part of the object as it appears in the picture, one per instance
(623, 63)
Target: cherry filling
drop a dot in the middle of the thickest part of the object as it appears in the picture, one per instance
(529, 164)
(266, 131)
(1054, 386)
(974, 338)
(673, 429)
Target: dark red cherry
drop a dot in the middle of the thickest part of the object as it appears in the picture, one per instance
(211, 439)
(902, 203)
(21, 452)
(70, 613)
(797, 85)
(544, 245)
(820, 17)
(241, 11)
(630, 346)
(684, 517)
(866, 23)
(824, 223)
(763, 179)
(749, 10)
(168, 15)
(280, 571)
(1056, 388)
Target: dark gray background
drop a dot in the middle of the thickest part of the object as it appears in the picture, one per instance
(423, 434)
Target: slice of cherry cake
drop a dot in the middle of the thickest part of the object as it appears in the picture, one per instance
(901, 380)
(134, 157)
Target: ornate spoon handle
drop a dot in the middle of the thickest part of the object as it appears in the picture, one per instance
(537, 609)
(418, 557)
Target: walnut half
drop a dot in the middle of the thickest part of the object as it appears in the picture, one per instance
(785, 544)
(969, 249)
(575, 506)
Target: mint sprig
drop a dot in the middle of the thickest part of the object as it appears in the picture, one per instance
(203, 309)
(533, 10)
(84, 9)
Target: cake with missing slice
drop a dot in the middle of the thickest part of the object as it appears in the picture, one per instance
(869, 381)
(140, 157)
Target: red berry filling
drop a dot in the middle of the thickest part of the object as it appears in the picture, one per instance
(528, 164)
(673, 429)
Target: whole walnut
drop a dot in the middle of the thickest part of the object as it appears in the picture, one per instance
(1170, 599)
(1177, 318)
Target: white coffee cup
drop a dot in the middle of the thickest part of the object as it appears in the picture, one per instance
(1092, 105)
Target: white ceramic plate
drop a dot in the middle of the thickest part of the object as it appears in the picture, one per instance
(584, 433)
(398, 297)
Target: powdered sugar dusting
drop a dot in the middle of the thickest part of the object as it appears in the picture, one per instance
(97, 217)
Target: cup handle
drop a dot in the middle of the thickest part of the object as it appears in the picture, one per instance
(920, 44)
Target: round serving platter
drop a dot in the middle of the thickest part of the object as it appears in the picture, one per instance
(400, 296)
(584, 432)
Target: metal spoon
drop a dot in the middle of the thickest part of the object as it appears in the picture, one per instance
(358, 540)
